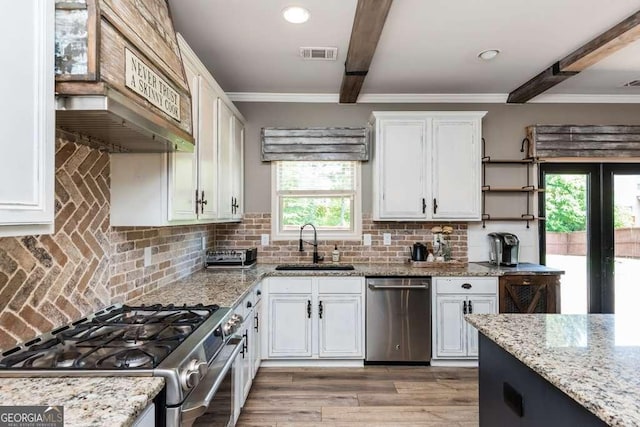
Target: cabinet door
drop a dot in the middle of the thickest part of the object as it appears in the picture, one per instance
(257, 338)
(246, 357)
(480, 304)
(450, 327)
(207, 148)
(28, 120)
(183, 167)
(237, 169)
(340, 326)
(401, 166)
(289, 326)
(455, 164)
(225, 154)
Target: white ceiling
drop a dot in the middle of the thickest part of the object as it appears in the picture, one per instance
(426, 47)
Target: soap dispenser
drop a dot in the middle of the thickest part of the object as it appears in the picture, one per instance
(335, 254)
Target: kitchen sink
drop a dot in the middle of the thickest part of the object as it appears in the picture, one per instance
(315, 267)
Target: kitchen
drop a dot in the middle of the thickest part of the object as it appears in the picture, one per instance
(104, 245)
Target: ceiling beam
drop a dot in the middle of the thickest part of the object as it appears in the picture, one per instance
(612, 40)
(367, 27)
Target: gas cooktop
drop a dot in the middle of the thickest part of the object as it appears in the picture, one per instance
(119, 337)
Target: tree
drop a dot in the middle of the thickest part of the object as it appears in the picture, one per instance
(566, 205)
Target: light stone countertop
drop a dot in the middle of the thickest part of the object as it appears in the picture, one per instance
(87, 401)
(593, 358)
(227, 287)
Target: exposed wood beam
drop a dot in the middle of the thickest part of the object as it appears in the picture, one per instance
(367, 27)
(612, 40)
(540, 83)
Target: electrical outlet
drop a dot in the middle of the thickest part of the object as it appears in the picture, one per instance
(264, 240)
(203, 243)
(366, 239)
(386, 239)
(147, 256)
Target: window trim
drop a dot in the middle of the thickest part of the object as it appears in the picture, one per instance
(355, 234)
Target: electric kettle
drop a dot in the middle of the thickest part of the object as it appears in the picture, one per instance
(419, 252)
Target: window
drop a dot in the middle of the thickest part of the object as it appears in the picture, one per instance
(324, 193)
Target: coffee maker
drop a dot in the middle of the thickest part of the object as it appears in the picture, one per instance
(504, 249)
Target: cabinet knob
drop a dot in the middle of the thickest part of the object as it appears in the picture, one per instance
(466, 285)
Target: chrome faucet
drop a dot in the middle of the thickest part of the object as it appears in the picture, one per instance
(316, 257)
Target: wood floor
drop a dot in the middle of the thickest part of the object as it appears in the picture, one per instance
(371, 396)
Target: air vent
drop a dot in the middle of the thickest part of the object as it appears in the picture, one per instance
(633, 83)
(319, 53)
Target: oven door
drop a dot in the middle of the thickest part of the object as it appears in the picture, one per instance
(211, 403)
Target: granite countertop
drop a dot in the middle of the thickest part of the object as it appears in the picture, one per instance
(228, 287)
(87, 401)
(592, 358)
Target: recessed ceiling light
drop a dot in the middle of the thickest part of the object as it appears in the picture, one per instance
(296, 14)
(488, 54)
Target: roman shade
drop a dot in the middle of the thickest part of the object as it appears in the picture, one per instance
(583, 141)
(315, 144)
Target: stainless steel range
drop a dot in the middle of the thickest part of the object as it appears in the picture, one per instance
(193, 348)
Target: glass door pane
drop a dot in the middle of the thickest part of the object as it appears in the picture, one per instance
(566, 236)
(626, 237)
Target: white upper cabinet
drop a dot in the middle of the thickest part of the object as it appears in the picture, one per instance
(231, 171)
(427, 165)
(27, 116)
(185, 188)
(400, 162)
(456, 166)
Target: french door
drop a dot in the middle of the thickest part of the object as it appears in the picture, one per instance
(592, 231)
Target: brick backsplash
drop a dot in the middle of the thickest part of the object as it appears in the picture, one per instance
(49, 280)
(403, 235)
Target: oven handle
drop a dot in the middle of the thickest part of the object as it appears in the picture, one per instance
(199, 400)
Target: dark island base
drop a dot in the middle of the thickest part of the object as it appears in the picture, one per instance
(511, 394)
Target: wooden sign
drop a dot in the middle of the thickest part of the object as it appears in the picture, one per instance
(147, 83)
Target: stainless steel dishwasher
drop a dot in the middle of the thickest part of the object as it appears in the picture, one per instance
(398, 327)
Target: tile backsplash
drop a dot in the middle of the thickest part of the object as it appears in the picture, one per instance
(49, 280)
(403, 235)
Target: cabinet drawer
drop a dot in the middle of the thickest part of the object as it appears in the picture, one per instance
(340, 285)
(290, 285)
(458, 285)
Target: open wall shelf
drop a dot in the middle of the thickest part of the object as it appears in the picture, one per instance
(528, 190)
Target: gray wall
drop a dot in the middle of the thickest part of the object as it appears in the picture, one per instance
(503, 129)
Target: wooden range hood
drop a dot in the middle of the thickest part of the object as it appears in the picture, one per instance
(120, 83)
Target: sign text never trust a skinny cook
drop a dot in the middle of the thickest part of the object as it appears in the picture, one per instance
(144, 81)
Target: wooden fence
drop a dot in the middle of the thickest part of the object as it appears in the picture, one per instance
(627, 243)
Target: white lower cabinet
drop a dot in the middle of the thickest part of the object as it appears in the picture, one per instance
(147, 418)
(454, 297)
(256, 349)
(248, 362)
(315, 318)
(289, 325)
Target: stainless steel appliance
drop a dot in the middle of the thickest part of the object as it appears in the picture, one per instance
(398, 320)
(504, 250)
(193, 348)
(231, 258)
